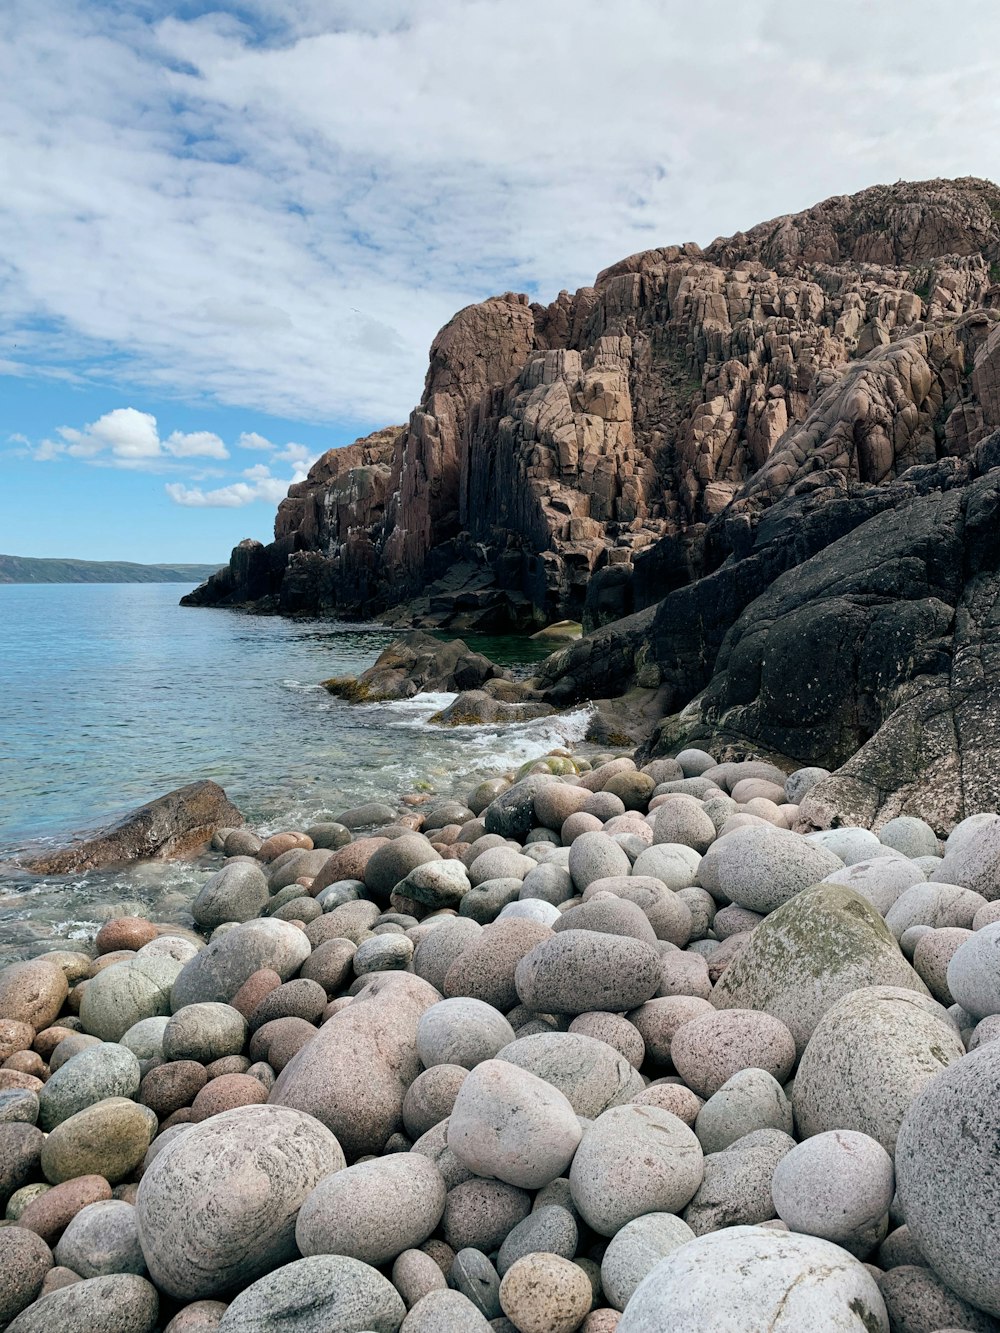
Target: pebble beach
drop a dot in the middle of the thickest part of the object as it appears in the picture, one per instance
(587, 1047)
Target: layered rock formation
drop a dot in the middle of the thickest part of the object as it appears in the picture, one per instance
(651, 454)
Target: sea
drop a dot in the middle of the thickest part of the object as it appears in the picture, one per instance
(113, 694)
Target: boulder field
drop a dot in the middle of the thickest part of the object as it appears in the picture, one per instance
(596, 1047)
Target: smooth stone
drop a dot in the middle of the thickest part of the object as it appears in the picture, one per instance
(198, 1317)
(709, 1050)
(32, 992)
(215, 974)
(325, 1293)
(237, 892)
(592, 1075)
(974, 861)
(475, 1277)
(868, 1058)
(117, 1302)
(20, 1105)
(51, 1211)
(102, 1239)
(382, 953)
(909, 836)
(917, 1300)
(581, 970)
(932, 955)
(834, 1185)
(757, 1280)
(544, 1293)
(851, 844)
(751, 1099)
(218, 1206)
(479, 1214)
(763, 867)
(673, 864)
(430, 1098)
(510, 814)
(530, 909)
(549, 1230)
(437, 884)
(948, 1175)
(24, 1261)
(615, 1031)
(415, 1274)
(107, 1070)
(933, 905)
(683, 820)
(374, 1210)
(880, 881)
(822, 944)
(486, 967)
(737, 1186)
(145, 1038)
(122, 995)
(635, 1251)
(659, 1020)
(445, 1312)
(461, 1031)
(595, 855)
(974, 973)
(634, 1160)
(106, 1139)
(204, 1032)
(664, 909)
(509, 1125)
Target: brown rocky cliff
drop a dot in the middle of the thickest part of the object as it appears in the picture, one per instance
(557, 451)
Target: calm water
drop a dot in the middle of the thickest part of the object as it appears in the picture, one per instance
(112, 694)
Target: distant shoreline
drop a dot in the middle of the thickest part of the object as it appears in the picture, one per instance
(29, 569)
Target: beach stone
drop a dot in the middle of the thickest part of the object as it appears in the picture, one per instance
(682, 819)
(178, 947)
(256, 987)
(108, 1138)
(596, 856)
(948, 1175)
(353, 1074)
(667, 913)
(19, 1105)
(608, 915)
(369, 815)
(708, 1050)
(973, 861)
(673, 1097)
(548, 1230)
(216, 974)
(324, 1293)
(32, 992)
(461, 1031)
(347, 864)
(550, 883)
(636, 1250)
(118, 1302)
(430, 1097)
(330, 964)
(751, 1099)
(51, 1212)
(554, 804)
(803, 780)
(919, 1302)
(973, 974)
(880, 881)
(198, 1317)
(822, 944)
(932, 956)
(737, 1186)
(869, 1057)
(102, 1239)
(634, 1160)
(485, 968)
(614, 1030)
(756, 1280)
(834, 1185)
(475, 1277)
(299, 866)
(694, 762)
(218, 1206)
(671, 863)
(225, 1093)
(383, 953)
(352, 921)
(374, 1210)
(499, 863)
(581, 970)
(279, 1041)
(659, 1019)
(487, 792)
(14, 1036)
(437, 883)
(121, 995)
(390, 864)
(301, 998)
(544, 1293)
(851, 844)
(106, 1070)
(530, 909)
(511, 813)
(415, 1275)
(170, 1086)
(328, 834)
(986, 916)
(589, 1073)
(762, 867)
(445, 1312)
(479, 1214)
(433, 1143)
(24, 1261)
(909, 836)
(125, 932)
(145, 1038)
(486, 901)
(204, 1032)
(933, 905)
(632, 789)
(509, 1125)
(899, 1248)
(73, 1044)
(237, 892)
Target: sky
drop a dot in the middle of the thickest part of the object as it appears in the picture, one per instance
(229, 231)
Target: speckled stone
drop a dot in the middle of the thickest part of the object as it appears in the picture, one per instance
(634, 1160)
(219, 970)
(549, 1230)
(24, 1261)
(51, 1212)
(933, 905)
(328, 1293)
(948, 1175)
(123, 1302)
(486, 965)
(106, 1070)
(614, 1030)
(32, 992)
(592, 1075)
(106, 1139)
(102, 1239)
(834, 1185)
(122, 995)
(709, 1050)
(736, 1189)
(478, 1214)
(445, 1312)
(461, 1031)
(757, 1280)
(544, 1293)
(751, 1099)
(918, 1302)
(636, 1250)
(974, 973)
(580, 970)
(415, 1274)
(762, 867)
(218, 1206)
(374, 1210)
(475, 1277)
(430, 1097)
(868, 1058)
(204, 1032)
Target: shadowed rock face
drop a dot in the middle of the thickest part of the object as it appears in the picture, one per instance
(177, 824)
(564, 459)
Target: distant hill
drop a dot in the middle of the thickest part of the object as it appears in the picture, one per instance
(24, 569)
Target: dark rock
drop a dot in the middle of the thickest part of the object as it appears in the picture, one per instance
(415, 663)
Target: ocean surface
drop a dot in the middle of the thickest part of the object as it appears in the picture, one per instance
(112, 694)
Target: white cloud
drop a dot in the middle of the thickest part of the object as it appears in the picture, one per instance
(236, 495)
(281, 213)
(128, 438)
(197, 444)
(251, 440)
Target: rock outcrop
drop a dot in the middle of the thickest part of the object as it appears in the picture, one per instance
(180, 823)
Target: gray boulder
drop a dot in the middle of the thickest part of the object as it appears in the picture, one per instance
(327, 1293)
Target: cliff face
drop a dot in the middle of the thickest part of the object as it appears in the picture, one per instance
(584, 459)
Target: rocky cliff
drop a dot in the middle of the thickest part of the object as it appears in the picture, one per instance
(763, 461)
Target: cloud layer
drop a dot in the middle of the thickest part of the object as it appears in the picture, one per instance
(277, 206)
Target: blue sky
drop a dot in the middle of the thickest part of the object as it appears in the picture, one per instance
(229, 232)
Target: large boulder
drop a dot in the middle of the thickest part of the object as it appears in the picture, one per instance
(418, 663)
(178, 824)
(823, 943)
(216, 973)
(353, 1075)
(326, 1293)
(217, 1207)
